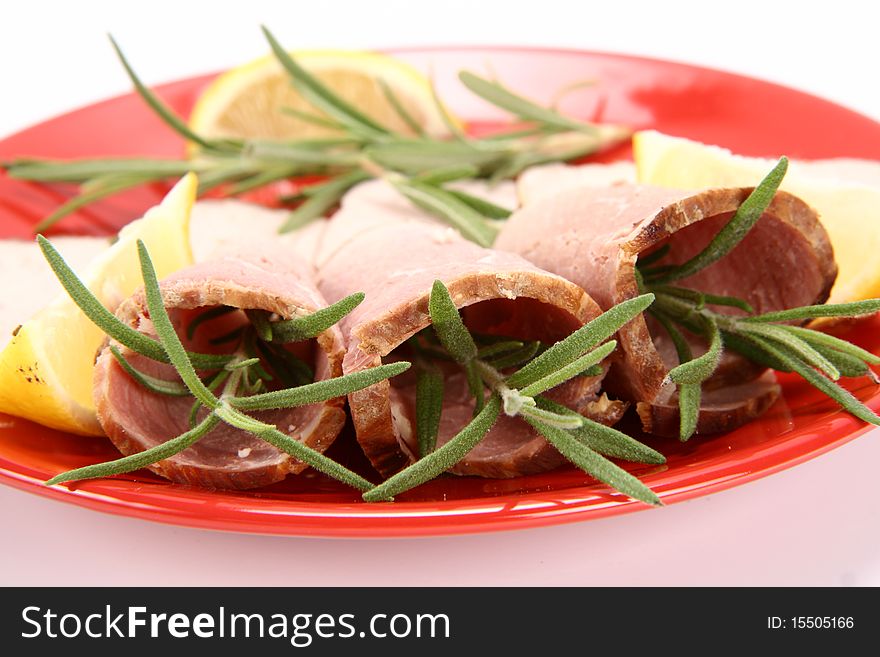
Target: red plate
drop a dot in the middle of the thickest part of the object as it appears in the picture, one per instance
(750, 116)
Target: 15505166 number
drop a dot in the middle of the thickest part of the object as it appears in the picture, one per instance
(822, 622)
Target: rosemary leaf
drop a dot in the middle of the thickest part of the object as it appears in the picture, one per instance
(606, 440)
(688, 409)
(107, 321)
(688, 393)
(399, 109)
(516, 163)
(519, 106)
(518, 133)
(794, 344)
(442, 458)
(498, 348)
(450, 123)
(847, 364)
(682, 348)
(229, 337)
(515, 358)
(585, 338)
(291, 370)
(207, 316)
(829, 388)
(737, 228)
(319, 391)
(733, 302)
(226, 173)
(160, 108)
(594, 464)
(259, 319)
(447, 174)
(322, 97)
(320, 201)
(314, 119)
(573, 369)
(213, 384)
(449, 328)
(293, 447)
(81, 171)
(549, 418)
(168, 336)
(817, 338)
(301, 154)
(151, 383)
(312, 325)
(702, 367)
(108, 188)
(446, 206)
(654, 257)
(475, 385)
(481, 205)
(270, 175)
(852, 309)
(429, 406)
(415, 156)
(694, 296)
(753, 352)
(242, 364)
(142, 459)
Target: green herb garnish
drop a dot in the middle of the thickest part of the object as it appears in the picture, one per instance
(767, 339)
(420, 166)
(579, 439)
(240, 375)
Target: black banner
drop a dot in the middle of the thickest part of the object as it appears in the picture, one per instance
(326, 621)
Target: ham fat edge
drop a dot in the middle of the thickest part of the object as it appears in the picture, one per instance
(395, 259)
(136, 419)
(594, 237)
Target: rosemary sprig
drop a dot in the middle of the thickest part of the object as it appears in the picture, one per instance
(518, 394)
(520, 107)
(364, 149)
(239, 372)
(767, 339)
(107, 322)
(735, 230)
(160, 108)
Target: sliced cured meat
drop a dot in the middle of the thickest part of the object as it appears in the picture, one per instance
(536, 183)
(376, 204)
(136, 419)
(395, 262)
(721, 409)
(594, 237)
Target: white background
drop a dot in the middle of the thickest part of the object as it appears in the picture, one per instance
(818, 523)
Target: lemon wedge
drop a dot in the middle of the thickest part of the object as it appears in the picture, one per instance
(46, 368)
(845, 193)
(248, 101)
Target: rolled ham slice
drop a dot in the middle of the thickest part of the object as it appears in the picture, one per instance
(594, 236)
(395, 259)
(136, 419)
(549, 179)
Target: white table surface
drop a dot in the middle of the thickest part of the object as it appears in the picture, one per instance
(816, 524)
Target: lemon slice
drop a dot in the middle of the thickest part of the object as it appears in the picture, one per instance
(845, 193)
(46, 369)
(248, 101)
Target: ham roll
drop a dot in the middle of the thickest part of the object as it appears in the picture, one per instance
(593, 236)
(394, 254)
(136, 419)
